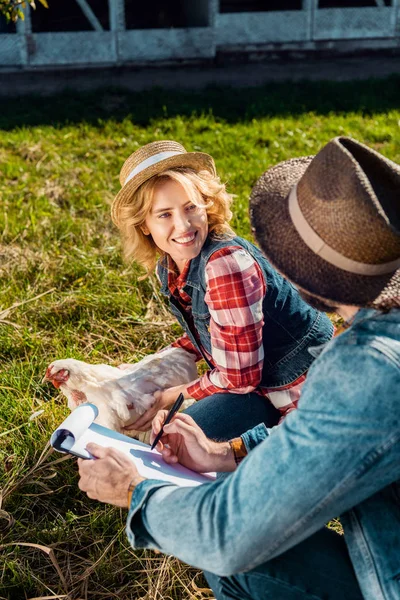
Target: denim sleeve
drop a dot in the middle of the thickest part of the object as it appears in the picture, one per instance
(339, 447)
(255, 436)
(137, 533)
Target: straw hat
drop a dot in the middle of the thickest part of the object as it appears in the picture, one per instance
(331, 223)
(150, 160)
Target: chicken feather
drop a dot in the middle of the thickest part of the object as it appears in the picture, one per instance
(121, 395)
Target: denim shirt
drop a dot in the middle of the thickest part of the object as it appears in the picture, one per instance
(290, 327)
(337, 454)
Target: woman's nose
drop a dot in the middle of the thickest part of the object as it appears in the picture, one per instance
(182, 222)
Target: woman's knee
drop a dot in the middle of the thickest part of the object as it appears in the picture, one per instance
(225, 416)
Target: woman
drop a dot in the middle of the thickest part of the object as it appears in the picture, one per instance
(238, 314)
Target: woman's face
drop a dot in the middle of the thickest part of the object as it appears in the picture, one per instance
(177, 226)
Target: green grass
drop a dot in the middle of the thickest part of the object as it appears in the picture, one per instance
(64, 291)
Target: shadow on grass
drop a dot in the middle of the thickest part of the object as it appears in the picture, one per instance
(227, 104)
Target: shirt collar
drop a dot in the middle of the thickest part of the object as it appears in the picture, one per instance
(176, 279)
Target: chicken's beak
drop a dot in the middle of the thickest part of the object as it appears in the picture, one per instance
(47, 376)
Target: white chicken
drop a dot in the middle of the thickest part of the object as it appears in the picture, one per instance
(121, 395)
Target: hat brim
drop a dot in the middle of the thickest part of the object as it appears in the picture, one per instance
(198, 161)
(287, 252)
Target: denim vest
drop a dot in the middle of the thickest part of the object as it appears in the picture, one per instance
(290, 328)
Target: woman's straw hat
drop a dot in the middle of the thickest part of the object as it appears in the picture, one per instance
(331, 223)
(150, 160)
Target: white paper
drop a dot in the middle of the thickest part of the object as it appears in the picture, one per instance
(80, 430)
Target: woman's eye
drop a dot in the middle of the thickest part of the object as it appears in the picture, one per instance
(163, 215)
(192, 207)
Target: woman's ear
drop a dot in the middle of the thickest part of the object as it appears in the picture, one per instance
(144, 229)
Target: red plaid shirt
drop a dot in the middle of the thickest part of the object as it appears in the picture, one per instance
(235, 291)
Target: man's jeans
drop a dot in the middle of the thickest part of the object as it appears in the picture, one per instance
(317, 569)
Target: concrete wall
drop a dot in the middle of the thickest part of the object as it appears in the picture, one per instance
(213, 32)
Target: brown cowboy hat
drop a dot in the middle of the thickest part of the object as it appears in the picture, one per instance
(150, 160)
(331, 223)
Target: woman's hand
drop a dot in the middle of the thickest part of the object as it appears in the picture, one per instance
(162, 399)
(107, 477)
(184, 441)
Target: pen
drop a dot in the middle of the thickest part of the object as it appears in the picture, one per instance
(172, 412)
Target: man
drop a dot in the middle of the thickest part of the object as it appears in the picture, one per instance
(331, 225)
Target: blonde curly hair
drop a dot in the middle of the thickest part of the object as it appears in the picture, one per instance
(201, 186)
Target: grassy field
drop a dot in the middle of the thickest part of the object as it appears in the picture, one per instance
(65, 292)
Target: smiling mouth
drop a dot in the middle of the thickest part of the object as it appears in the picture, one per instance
(186, 240)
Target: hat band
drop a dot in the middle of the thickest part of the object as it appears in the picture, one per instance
(149, 162)
(326, 252)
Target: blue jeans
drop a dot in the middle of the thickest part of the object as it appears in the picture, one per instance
(226, 416)
(317, 569)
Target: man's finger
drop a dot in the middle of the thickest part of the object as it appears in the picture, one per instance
(81, 468)
(181, 416)
(157, 424)
(163, 440)
(180, 426)
(160, 447)
(84, 467)
(96, 450)
(83, 484)
(159, 420)
(170, 458)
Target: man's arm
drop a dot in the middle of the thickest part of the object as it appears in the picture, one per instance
(338, 448)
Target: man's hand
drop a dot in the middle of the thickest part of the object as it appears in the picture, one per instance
(183, 441)
(107, 477)
(162, 399)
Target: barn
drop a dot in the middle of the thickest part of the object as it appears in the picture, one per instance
(73, 33)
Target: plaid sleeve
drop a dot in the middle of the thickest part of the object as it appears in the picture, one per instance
(185, 343)
(235, 291)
